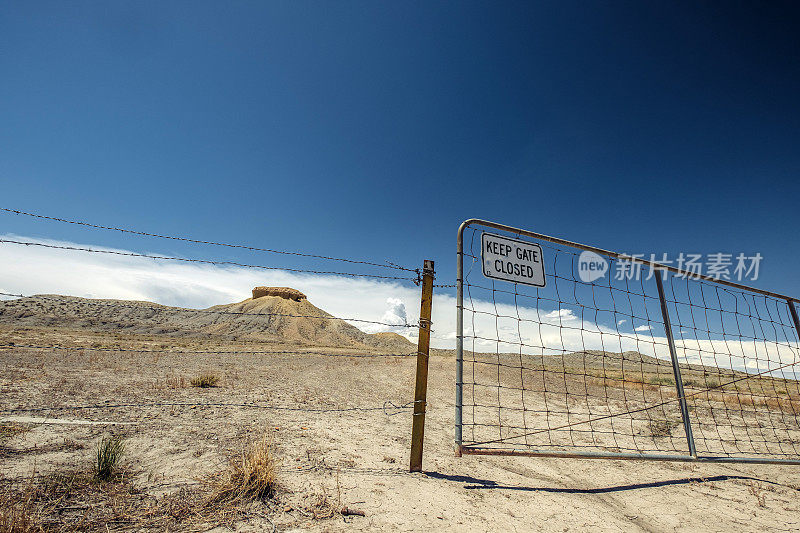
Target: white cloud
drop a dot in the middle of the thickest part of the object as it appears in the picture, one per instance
(395, 314)
(642, 328)
(621, 322)
(35, 270)
(563, 314)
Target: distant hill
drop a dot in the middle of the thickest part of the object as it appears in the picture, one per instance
(634, 365)
(268, 318)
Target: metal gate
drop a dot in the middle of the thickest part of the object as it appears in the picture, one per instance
(595, 362)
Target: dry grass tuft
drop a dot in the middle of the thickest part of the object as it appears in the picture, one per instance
(250, 476)
(67, 502)
(205, 381)
(17, 514)
(176, 382)
(109, 453)
(12, 429)
(756, 490)
(662, 428)
(322, 506)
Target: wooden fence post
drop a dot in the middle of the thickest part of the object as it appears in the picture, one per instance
(423, 347)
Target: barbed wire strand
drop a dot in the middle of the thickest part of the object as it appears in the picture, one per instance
(204, 352)
(162, 308)
(314, 467)
(212, 243)
(387, 406)
(207, 261)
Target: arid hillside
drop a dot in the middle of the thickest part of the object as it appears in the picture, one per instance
(264, 319)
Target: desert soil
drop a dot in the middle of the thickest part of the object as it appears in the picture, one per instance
(355, 458)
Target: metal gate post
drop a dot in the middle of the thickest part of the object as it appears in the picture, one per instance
(676, 370)
(459, 338)
(795, 319)
(423, 349)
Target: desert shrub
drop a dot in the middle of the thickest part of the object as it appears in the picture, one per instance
(251, 475)
(661, 381)
(109, 453)
(205, 380)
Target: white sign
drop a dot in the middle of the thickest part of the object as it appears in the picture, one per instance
(512, 260)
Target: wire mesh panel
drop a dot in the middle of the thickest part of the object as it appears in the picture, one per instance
(598, 363)
(740, 351)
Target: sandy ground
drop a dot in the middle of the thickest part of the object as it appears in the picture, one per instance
(356, 458)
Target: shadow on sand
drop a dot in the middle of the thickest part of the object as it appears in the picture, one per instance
(476, 483)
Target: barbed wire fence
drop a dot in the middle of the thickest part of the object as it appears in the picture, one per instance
(17, 307)
(662, 366)
(389, 408)
(386, 264)
(205, 261)
(346, 354)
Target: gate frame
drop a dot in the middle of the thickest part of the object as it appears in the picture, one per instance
(460, 449)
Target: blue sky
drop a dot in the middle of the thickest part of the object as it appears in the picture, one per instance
(372, 129)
